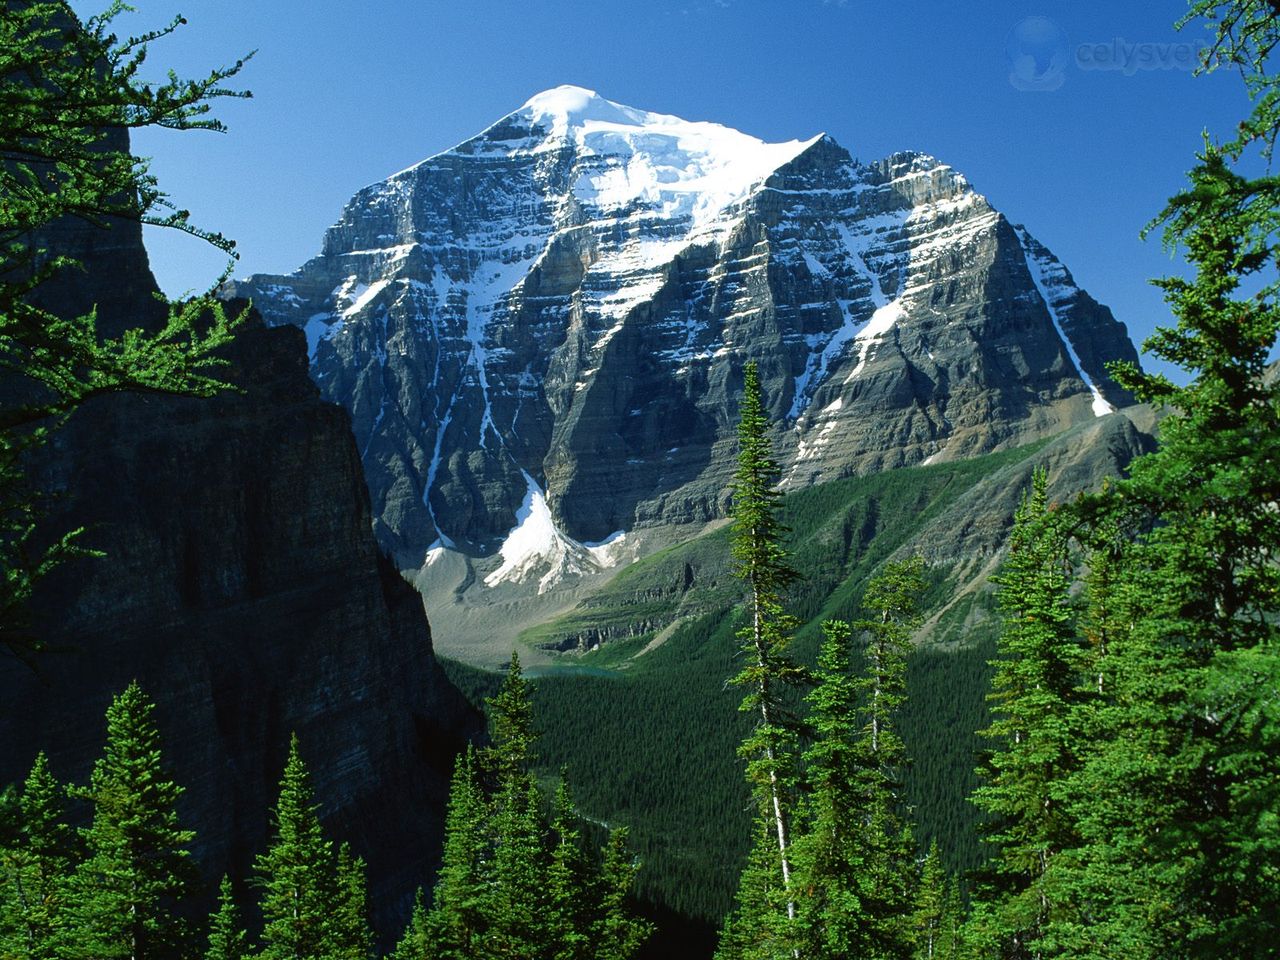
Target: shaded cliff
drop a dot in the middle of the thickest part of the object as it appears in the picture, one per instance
(243, 588)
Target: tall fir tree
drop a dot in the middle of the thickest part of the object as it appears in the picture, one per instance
(511, 884)
(453, 928)
(934, 928)
(124, 898)
(1035, 690)
(618, 932)
(830, 850)
(1178, 794)
(34, 867)
(419, 941)
(569, 899)
(227, 937)
(886, 848)
(760, 561)
(312, 895)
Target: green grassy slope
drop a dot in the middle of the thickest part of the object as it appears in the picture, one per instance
(648, 732)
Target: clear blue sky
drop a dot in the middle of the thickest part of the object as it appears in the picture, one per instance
(347, 93)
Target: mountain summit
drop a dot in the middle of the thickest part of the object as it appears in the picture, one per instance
(540, 333)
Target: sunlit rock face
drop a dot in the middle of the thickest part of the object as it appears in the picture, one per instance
(540, 333)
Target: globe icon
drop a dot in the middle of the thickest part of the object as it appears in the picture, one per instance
(1036, 50)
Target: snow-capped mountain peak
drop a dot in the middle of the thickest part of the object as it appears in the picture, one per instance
(540, 333)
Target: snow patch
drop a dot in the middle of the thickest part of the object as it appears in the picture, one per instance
(535, 544)
(1053, 291)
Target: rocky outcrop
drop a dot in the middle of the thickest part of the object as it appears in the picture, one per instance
(242, 586)
(553, 317)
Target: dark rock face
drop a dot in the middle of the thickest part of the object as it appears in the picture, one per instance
(557, 312)
(243, 588)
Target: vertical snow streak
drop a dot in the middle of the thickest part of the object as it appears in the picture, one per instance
(1036, 267)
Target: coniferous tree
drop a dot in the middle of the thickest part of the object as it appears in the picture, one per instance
(569, 899)
(618, 932)
(313, 905)
(830, 851)
(452, 929)
(761, 562)
(34, 867)
(886, 847)
(1176, 799)
(511, 884)
(124, 897)
(296, 872)
(1034, 693)
(227, 938)
(758, 927)
(351, 939)
(419, 941)
(937, 911)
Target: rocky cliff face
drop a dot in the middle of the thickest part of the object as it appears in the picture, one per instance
(540, 333)
(243, 588)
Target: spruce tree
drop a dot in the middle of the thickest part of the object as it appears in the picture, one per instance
(830, 852)
(296, 872)
(757, 928)
(350, 935)
(227, 938)
(513, 885)
(313, 901)
(886, 849)
(125, 896)
(1180, 851)
(1034, 693)
(569, 899)
(761, 561)
(453, 927)
(418, 941)
(618, 934)
(515, 912)
(936, 919)
(34, 867)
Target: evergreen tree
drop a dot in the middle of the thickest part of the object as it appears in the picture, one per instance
(937, 911)
(510, 755)
(569, 901)
(125, 896)
(830, 851)
(313, 904)
(419, 942)
(453, 928)
(350, 936)
(34, 867)
(758, 927)
(618, 932)
(1180, 851)
(886, 848)
(227, 938)
(512, 885)
(1034, 692)
(760, 560)
(517, 917)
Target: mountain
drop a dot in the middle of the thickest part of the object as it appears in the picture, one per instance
(540, 333)
(241, 584)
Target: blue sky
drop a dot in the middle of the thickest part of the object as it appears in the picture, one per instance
(347, 93)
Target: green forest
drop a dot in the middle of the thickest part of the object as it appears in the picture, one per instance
(1089, 770)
